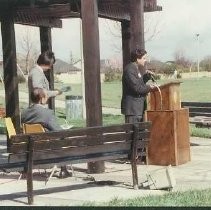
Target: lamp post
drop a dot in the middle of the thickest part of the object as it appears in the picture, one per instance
(197, 39)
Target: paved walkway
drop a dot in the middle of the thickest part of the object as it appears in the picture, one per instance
(81, 189)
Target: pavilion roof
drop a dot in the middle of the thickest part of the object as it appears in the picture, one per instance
(49, 12)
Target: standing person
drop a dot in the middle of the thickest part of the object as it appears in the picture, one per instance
(37, 78)
(134, 87)
(39, 113)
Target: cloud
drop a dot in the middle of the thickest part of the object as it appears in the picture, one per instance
(182, 20)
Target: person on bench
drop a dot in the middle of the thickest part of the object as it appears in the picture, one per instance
(39, 113)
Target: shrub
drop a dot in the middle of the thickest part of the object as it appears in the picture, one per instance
(113, 75)
(21, 79)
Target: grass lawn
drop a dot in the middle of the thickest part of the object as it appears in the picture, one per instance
(192, 198)
(191, 90)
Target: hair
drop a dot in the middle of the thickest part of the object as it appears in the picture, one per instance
(137, 54)
(46, 58)
(37, 94)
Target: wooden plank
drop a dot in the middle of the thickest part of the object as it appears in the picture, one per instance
(80, 159)
(196, 104)
(194, 114)
(82, 132)
(71, 142)
(200, 109)
(33, 20)
(79, 132)
(76, 141)
(99, 150)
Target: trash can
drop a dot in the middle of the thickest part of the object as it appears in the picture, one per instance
(73, 107)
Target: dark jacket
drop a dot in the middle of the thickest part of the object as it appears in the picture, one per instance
(134, 91)
(39, 114)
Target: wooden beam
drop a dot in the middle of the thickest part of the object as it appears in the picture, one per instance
(10, 71)
(46, 44)
(37, 21)
(137, 24)
(91, 52)
(125, 25)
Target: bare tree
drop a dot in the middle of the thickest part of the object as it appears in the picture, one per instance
(151, 29)
(181, 59)
(29, 50)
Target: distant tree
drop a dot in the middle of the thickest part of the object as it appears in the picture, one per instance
(112, 74)
(29, 51)
(206, 63)
(181, 59)
(169, 68)
(151, 29)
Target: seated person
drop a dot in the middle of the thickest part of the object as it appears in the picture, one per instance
(39, 113)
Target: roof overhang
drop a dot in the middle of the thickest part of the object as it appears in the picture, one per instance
(50, 12)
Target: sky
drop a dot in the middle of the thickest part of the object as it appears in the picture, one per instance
(174, 29)
(179, 22)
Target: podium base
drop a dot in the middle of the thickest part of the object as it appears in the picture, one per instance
(169, 141)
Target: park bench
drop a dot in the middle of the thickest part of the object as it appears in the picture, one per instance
(89, 144)
(199, 113)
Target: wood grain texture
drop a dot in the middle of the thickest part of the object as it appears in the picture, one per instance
(169, 140)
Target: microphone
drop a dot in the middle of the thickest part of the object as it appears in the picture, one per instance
(152, 78)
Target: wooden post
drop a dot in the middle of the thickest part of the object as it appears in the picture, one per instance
(134, 156)
(46, 44)
(125, 42)
(10, 71)
(91, 51)
(137, 24)
(30, 171)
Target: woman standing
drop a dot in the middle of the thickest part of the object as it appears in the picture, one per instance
(37, 78)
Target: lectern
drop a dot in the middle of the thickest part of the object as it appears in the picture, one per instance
(169, 141)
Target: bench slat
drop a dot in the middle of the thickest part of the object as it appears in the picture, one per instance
(196, 104)
(79, 142)
(79, 132)
(74, 151)
(200, 109)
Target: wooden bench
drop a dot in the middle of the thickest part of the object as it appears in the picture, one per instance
(199, 113)
(76, 146)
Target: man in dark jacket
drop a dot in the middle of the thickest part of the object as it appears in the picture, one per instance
(134, 87)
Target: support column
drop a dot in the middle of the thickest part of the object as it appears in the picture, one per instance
(91, 51)
(10, 71)
(137, 24)
(46, 44)
(125, 25)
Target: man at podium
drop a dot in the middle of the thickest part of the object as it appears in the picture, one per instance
(134, 87)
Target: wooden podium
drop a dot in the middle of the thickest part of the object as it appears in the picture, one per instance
(169, 140)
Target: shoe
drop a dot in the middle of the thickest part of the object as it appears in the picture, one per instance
(64, 173)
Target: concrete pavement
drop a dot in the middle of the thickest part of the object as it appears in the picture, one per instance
(116, 182)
